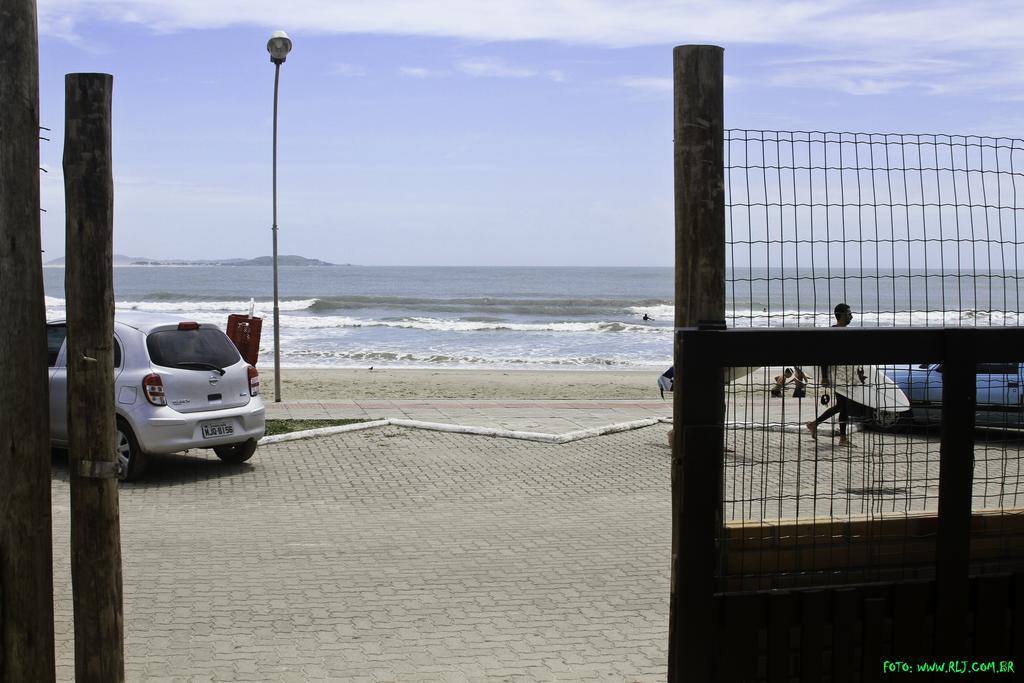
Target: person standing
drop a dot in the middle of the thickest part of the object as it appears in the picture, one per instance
(780, 383)
(844, 316)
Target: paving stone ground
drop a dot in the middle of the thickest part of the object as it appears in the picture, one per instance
(394, 555)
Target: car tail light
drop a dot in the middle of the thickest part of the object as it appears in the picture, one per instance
(153, 387)
(254, 381)
(188, 326)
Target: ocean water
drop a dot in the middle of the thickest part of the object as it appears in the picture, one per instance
(357, 316)
(533, 318)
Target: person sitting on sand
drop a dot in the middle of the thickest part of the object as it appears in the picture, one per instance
(795, 375)
(780, 383)
(844, 316)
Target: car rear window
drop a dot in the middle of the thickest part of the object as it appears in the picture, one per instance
(173, 348)
(54, 340)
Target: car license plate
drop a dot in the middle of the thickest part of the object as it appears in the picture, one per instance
(212, 430)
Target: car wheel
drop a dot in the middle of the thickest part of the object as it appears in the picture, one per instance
(885, 421)
(236, 452)
(133, 460)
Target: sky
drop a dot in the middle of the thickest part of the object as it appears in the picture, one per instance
(467, 132)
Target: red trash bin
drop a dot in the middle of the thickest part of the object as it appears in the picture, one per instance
(244, 331)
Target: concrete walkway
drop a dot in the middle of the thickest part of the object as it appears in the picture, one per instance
(546, 416)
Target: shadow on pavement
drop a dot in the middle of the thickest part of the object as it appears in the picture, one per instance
(168, 469)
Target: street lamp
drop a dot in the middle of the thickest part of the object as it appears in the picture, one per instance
(278, 46)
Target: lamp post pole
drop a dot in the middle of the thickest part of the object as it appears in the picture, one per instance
(277, 309)
(278, 46)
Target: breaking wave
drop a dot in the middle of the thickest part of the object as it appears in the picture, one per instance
(365, 357)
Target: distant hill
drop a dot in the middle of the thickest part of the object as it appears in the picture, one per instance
(289, 260)
(281, 261)
(119, 260)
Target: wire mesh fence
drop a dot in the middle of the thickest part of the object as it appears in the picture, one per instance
(831, 473)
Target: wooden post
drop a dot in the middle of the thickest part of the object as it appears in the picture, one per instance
(26, 544)
(699, 300)
(699, 184)
(95, 526)
(956, 481)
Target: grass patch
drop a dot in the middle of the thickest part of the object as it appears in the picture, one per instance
(275, 427)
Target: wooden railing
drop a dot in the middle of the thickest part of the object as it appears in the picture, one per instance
(697, 468)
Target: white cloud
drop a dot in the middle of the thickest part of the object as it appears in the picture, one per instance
(489, 67)
(983, 34)
(649, 84)
(348, 70)
(493, 68)
(980, 24)
(731, 82)
(864, 77)
(662, 85)
(62, 27)
(421, 72)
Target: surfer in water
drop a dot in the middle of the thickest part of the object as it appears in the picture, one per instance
(844, 316)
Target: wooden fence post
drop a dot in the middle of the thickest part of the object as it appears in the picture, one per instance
(956, 481)
(26, 544)
(699, 299)
(95, 525)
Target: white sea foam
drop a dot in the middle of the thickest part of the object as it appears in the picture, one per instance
(363, 357)
(239, 306)
(794, 318)
(57, 311)
(421, 335)
(658, 312)
(791, 317)
(294, 319)
(217, 311)
(449, 325)
(218, 306)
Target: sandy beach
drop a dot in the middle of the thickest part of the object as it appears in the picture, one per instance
(399, 383)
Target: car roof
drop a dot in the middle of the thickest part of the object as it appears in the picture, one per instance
(143, 321)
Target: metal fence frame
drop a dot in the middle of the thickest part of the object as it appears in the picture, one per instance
(697, 458)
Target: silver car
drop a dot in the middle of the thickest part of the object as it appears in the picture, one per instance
(998, 402)
(177, 385)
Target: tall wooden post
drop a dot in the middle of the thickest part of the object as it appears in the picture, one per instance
(699, 301)
(956, 483)
(95, 526)
(26, 544)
